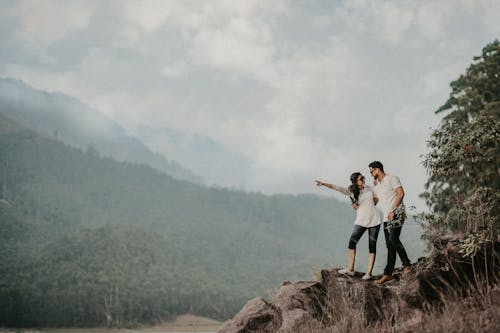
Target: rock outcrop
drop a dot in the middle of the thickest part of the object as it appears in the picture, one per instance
(256, 316)
(309, 306)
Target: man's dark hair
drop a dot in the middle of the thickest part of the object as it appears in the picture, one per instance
(376, 165)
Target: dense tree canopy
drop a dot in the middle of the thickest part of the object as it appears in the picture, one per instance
(464, 160)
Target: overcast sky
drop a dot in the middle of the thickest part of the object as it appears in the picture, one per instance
(292, 90)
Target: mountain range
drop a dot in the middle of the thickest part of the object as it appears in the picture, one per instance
(79, 225)
(95, 229)
(75, 123)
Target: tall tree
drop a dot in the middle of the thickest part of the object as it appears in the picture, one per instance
(464, 157)
(475, 89)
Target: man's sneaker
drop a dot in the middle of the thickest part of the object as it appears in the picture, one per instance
(346, 272)
(366, 277)
(383, 279)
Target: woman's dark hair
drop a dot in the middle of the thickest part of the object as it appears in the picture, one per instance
(376, 165)
(354, 186)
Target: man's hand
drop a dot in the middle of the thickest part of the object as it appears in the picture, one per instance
(355, 206)
(390, 216)
(319, 183)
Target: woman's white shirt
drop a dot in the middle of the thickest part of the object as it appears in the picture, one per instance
(366, 215)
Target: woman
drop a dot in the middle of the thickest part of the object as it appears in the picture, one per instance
(367, 218)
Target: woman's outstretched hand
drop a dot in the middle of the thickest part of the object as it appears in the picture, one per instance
(320, 183)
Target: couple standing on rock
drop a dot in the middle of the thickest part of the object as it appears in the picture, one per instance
(388, 193)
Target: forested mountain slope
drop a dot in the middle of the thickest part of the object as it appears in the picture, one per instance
(88, 240)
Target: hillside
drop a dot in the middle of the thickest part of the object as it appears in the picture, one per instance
(79, 125)
(109, 238)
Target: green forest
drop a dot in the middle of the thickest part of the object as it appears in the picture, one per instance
(86, 240)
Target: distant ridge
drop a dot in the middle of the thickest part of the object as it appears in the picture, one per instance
(77, 124)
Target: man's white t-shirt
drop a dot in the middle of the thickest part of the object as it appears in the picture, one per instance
(366, 215)
(386, 192)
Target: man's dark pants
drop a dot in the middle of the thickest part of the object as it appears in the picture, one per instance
(394, 246)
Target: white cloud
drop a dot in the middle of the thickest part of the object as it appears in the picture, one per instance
(175, 69)
(242, 45)
(396, 21)
(363, 87)
(431, 18)
(322, 21)
(417, 22)
(407, 120)
(44, 22)
(489, 9)
(150, 15)
(432, 82)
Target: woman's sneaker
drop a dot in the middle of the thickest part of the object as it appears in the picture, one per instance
(366, 277)
(346, 272)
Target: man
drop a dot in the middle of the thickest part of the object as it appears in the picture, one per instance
(390, 193)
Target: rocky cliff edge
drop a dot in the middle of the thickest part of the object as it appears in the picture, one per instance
(310, 306)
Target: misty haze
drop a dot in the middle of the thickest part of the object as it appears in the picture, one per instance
(158, 159)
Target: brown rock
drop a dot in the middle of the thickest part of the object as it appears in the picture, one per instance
(256, 316)
(369, 301)
(302, 305)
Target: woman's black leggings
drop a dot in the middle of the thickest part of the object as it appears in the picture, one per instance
(358, 231)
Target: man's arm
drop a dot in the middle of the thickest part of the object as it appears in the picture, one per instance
(400, 193)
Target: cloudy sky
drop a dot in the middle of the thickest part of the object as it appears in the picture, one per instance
(290, 91)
